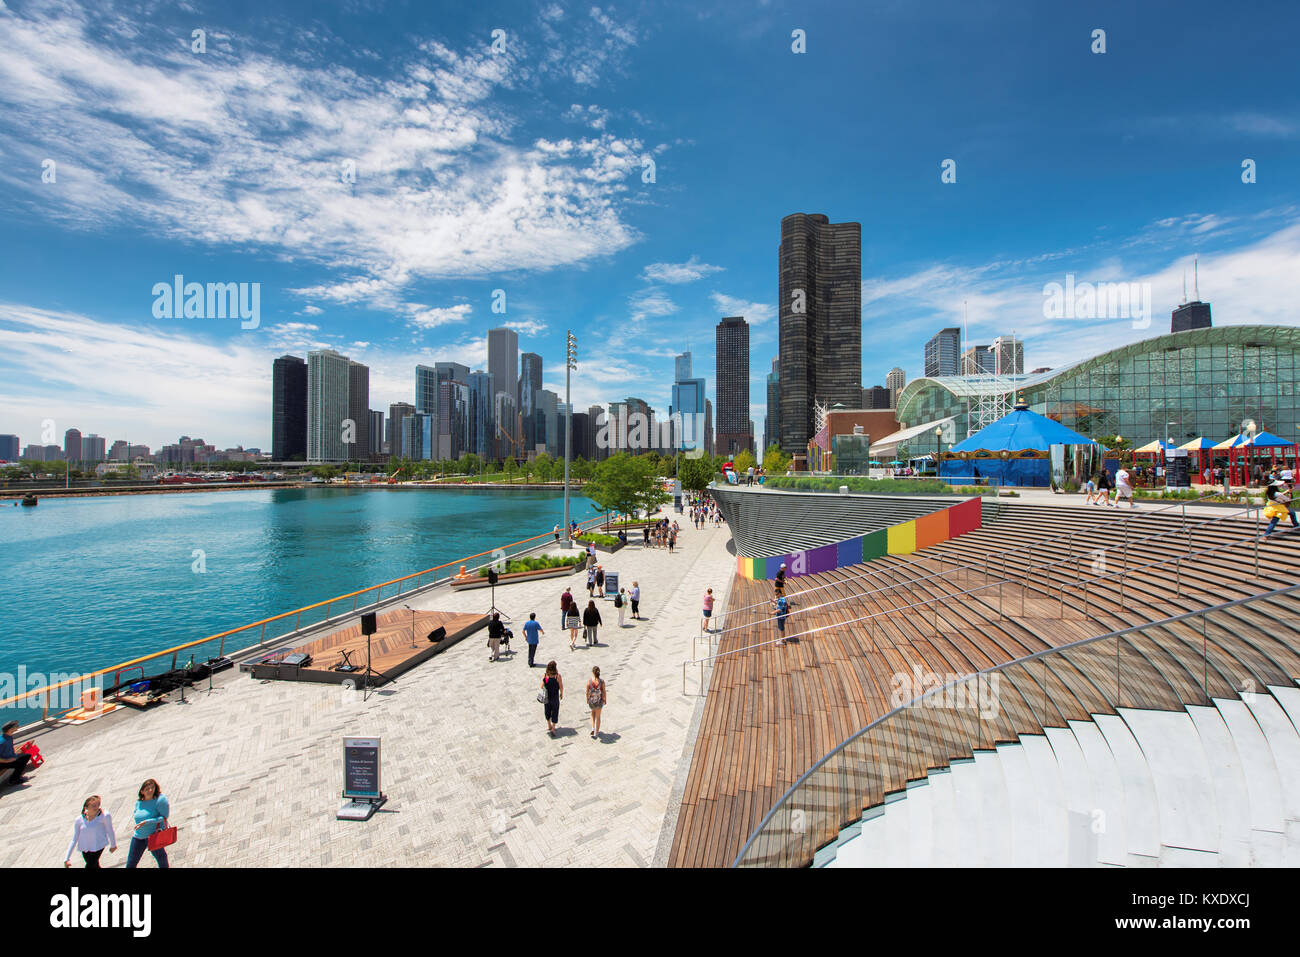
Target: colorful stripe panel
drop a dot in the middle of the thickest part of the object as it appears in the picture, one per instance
(901, 539)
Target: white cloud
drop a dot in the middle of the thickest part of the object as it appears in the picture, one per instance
(527, 327)
(650, 303)
(674, 273)
(248, 146)
(429, 317)
(755, 313)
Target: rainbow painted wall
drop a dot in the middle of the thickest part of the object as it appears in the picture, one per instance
(901, 539)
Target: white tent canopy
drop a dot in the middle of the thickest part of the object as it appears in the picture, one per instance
(887, 447)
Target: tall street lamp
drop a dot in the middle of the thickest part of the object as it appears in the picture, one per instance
(570, 364)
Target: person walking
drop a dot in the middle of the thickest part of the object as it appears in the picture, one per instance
(595, 699)
(782, 612)
(11, 759)
(620, 602)
(573, 621)
(591, 621)
(708, 611)
(1090, 490)
(634, 596)
(672, 541)
(1103, 488)
(566, 602)
(151, 813)
(591, 580)
(778, 583)
(1124, 488)
(495, 631)
(557, 534)
(645, 535)
(532, 635)
(1278, 497)
(91, 833)
(600, 581)
(552, 694)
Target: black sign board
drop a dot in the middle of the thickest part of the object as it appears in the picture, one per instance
(361, 768)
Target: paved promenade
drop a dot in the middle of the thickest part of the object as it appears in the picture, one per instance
(253, 771)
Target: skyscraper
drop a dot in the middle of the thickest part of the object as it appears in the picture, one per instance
(396, 413)
(710, 447)
(548, 404)
(1008, 355)
(942, 353)
(482, 414)
(503, 363)
(376, 433)
(687, 406)
(732, 385)
(288, 409)
(328, 380)
(895, 382)
(1190, 315)
(530, 383)
(9, 448)
(820, 311)
(876, 397)
(978, 360)
(426, 390)
(772, 421)
(72, 445)
(359, 410)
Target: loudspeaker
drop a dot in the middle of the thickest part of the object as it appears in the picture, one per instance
(492, 576)
(368, 623)
(437, 634)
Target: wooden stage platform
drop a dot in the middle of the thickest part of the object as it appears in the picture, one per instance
(395, 647)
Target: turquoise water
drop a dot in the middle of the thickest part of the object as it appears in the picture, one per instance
(87, 583)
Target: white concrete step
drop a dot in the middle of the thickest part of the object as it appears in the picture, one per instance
(968, 808)
(1257, 765)
(1175, 759)
(1108, 813)
(1054, 847)
(949, 845)
(1141, 807)
(1027, 822)
(1231, 794)
(1079, 797)
(1284, 744)
(918, 809)
(995, 811)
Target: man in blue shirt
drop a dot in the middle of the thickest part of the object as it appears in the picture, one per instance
(9, 758)
(782, 610)
(531, 632)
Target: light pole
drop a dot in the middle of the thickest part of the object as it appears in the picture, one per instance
(570, 364)
(1164, 453)
(938, 438)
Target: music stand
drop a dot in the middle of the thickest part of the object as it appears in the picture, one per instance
(492, 583)
(345, 662)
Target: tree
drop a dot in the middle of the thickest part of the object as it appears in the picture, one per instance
(511, 468)
(695, 474)
(774, 460)
(626, 484)
(543, 467)
(744, 460)
(580, 468)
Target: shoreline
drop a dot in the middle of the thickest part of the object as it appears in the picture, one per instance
(17, 494)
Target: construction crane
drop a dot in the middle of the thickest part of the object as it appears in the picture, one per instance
(392, 479)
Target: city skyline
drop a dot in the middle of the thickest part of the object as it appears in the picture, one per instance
(641, 262)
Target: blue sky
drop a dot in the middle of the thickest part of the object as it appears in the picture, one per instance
(522, 169)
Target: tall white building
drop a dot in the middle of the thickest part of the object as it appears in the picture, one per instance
(327, 405)
(894, 382)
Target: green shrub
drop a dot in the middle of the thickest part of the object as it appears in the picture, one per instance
(536, 563)
(597, 539)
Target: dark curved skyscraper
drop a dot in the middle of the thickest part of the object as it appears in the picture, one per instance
(821, 321)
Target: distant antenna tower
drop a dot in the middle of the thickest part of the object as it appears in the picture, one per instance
(1196, 282)
(1184, 302)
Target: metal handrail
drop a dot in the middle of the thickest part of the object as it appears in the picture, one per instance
(296, 614)
(984, 565)
(935, 600)
(1031, 545)
(945, 692)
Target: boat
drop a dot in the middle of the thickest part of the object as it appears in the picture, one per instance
(29, 500)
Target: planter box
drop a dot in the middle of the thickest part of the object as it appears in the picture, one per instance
(607, 549)
(482, 582)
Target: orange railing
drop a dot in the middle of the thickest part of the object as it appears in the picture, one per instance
(528, 544)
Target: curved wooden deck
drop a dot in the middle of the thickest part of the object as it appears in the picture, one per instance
(774, 711)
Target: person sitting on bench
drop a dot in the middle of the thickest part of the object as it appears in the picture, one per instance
(9, 758)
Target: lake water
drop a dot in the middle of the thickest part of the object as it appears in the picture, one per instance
(87, 583)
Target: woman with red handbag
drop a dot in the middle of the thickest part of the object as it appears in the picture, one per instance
(151, 831)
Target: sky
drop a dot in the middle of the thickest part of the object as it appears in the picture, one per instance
(387, 173)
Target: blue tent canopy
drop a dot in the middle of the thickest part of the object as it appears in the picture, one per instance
(1020, 430)
(1267, 440)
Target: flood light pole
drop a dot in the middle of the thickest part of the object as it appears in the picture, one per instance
(570, 363)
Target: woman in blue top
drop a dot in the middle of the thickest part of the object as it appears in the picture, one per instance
(151, 813)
